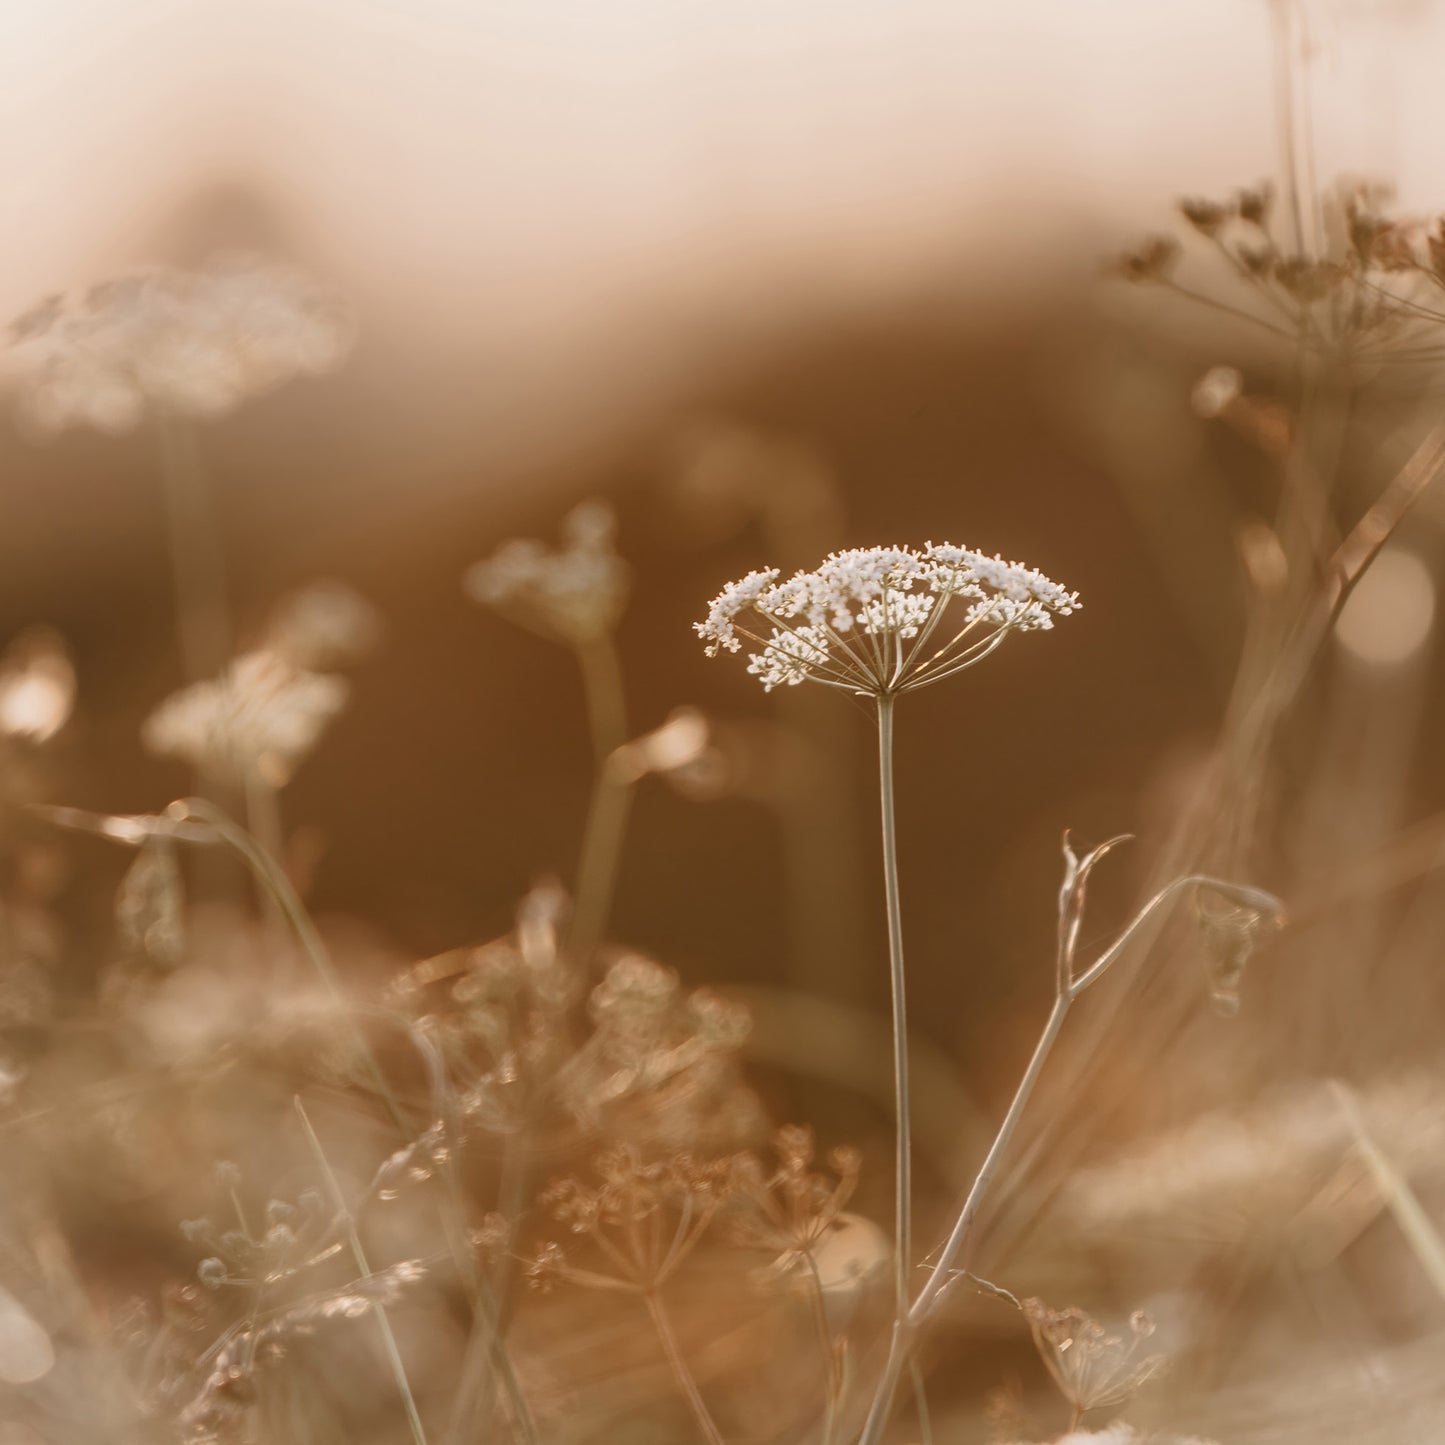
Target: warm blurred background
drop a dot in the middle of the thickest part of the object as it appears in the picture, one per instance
(638, 250)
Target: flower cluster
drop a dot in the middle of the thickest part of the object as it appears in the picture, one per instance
(573, 595)
(186, 343)
(257, 720)
(871, 620)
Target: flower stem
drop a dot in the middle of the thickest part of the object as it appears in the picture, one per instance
(685, 1382)
(903, 1168)
(353, 1240)
(602, 839)
(606, 700)
(908, 1323)
(197, 560)
(611, 800)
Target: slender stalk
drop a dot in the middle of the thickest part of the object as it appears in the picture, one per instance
(906, 1328)
(602, 840)
(1069, 985)
(611, 801)
(685, 1382)
(353, 1239)
(273, 877)
(903, 1166)
(831, 1363)
(197, 559)
(606, 700)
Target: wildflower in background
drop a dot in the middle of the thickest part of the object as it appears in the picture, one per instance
(879, 621)
(258, 720)
(573, 595)
(323, 625)
(170, 342)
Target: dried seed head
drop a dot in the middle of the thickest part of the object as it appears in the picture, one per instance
(1090, 1366)
(1254, 202)
(1153, 260)
(1207, 217)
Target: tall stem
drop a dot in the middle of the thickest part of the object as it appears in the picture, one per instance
(903, 1167)
(197, 559)
(939, 1276)
(680, 1372)
(611, 795)
(606, 699)
(601, 854)
(358, 1253)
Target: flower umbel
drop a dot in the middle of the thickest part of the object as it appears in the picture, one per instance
(259, 718)
(574, 594)
(184, 343)
(878, 621)
(1090, 1366)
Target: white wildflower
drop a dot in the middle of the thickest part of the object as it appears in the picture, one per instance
(258, 719)
(573, 595)
(164, 341)
(871, 620)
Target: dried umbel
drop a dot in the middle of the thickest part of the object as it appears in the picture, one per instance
(170, 342)
(1370, 286)
(788, 1211)
(259, 719)
(878, 621)
(1091, 1366)
(573, 595)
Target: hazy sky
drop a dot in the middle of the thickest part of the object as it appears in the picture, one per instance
(570, 148)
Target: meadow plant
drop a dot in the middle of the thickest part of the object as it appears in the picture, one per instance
(533, 1171)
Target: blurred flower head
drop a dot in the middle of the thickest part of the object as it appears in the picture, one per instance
(871, 620)
(257, 720)
(574, 594)
(37, 685)
(170, 342)
(324, 624)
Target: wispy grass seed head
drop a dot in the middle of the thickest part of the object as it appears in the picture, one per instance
(878, 621)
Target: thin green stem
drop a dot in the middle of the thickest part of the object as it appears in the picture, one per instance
(680, 1372)
(353, 1239)
(903, 1168)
